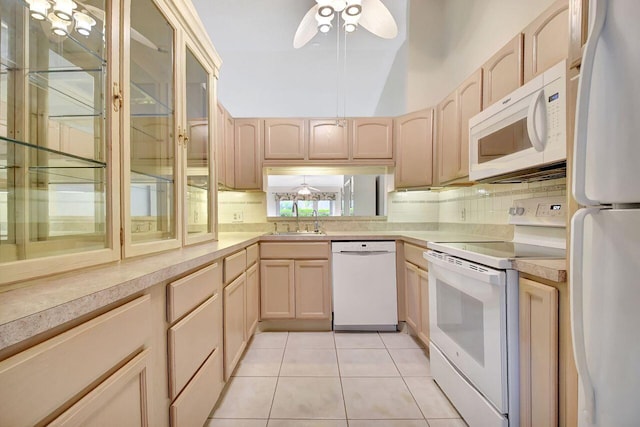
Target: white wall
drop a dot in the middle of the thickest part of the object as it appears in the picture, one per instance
(450, 39)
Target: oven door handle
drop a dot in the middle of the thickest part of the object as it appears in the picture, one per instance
(480, 272)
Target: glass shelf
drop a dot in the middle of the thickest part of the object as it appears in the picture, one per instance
(145, 104)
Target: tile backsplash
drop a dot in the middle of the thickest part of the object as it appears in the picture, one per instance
(479, 204)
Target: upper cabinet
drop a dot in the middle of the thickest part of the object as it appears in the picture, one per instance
(414, 149)
(105, 133)
(546, 40)
(502, 73)
(248, 154)
(578, 30)
(372, 138)
(454, 113)
(328, 140)
(285, 139)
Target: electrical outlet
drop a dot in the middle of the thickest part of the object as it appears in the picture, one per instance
(238, 216)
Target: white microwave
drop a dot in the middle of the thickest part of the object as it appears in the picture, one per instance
(522, 133)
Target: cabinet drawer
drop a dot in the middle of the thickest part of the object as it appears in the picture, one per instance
(195, 403)
(234, 265)
(121, 400)
(191, 340)
(286, 250)
(252, 255)
(38, 381)
(413, 254)
(187, 293)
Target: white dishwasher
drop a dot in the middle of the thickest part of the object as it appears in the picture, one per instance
(364, 286)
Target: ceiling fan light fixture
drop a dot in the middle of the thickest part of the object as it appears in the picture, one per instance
(304, 191)
(39, 9)
(339, 5)
(350, 22)
(59, 27)
(325, 8)
(324, 23)
(84, 23)
(63, 9)
(354, 8)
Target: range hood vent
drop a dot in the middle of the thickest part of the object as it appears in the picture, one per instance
(543, 173)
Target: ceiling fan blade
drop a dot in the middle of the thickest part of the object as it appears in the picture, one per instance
(377, 19)
(307, 29)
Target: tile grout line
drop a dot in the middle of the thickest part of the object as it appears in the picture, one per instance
(344, 401)
(273, 398)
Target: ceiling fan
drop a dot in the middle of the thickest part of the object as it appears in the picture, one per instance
(372, 15)
(305, 189)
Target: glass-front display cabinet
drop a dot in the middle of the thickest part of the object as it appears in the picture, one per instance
(105, 136)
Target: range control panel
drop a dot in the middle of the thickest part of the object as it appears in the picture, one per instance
(547, 211)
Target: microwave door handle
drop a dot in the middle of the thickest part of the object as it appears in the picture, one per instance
(582, 109)
(538, 141)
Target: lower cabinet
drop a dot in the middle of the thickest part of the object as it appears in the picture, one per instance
(417, 299)
(234, 323)
(295, 281)
(252, 309)
(64, 380)
(538, 354)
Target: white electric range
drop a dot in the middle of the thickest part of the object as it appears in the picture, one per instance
(473, 311)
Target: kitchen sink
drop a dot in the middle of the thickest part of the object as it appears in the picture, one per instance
(298, 233)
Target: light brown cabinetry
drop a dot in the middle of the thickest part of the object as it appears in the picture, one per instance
(454, 113)
(234, 323)
(416, 278)
(372, 138)
(225, 157)
(195, 344)
(546, 40)
(38, 384)
(414, 149)
(328, 140)
(578, 30)
(248, 154)
(538, 354)
(252, 299)
(295, 281)
(285, 139)
(502, 73)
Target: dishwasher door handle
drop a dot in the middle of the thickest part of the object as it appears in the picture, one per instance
(364, 252)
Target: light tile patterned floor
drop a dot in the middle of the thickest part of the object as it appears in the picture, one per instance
(322, 379)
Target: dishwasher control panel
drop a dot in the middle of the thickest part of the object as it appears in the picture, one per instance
(364, 246)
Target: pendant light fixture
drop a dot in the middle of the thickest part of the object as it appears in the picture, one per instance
(39, 9)
(63, 9)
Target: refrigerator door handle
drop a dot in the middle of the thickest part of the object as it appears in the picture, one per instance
(538, 141)
(582, 108)
(576, 306)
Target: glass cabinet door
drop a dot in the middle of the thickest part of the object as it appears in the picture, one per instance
(197, 144)
(54, 160)
(152, 210)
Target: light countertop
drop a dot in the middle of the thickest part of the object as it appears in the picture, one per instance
(550, 269)
(35, 306)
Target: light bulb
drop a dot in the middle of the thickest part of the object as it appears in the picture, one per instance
(349, 28)
(63, 9)
(354, 7)
(39, 9)
(325, 9)
(324, 23)
(339, 5)
(350, 22)
(84, 23)
(58, 26)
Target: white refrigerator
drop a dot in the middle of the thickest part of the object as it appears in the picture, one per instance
(605, 235)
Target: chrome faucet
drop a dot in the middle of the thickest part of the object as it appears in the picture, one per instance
(294, 210)
(316, 227)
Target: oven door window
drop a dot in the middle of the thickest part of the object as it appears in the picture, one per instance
(460, 317)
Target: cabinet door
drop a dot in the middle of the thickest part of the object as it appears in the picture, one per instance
(284, 139)
(448, 139)
(538, 354)
(229, 150)
(248, 154)
(423, 332)
(253, 300)
(502, 73)
(469, 104)
(412, 295)
(414, 149)
(220, 145)
(234, 318)
(312, 292)
(372, 138)
(277, 289)
(546, 40)
(578, 30)
(328, 140)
